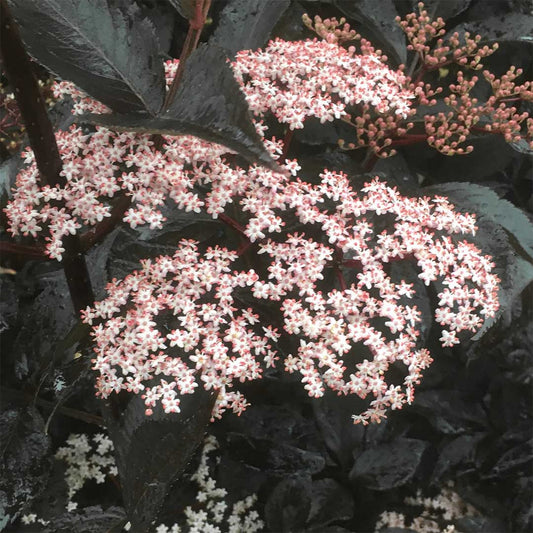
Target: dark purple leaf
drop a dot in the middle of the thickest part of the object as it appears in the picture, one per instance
(25, 451)
(277, 458)
(163, 19)
(152, 452)
(289, 504)
(341, 437)
(449, 412)
(105, 47)
(246, 24)
(8, 173)
(505, 27)
(330, 502)
(522, 146)
(184, 7)
(43, 321)
(521, 510)
(378, 19)
(92, 519)
(479, 524)
(209, 104)
(516, 460)
(455, 454)
(446, 9)
(389, 465)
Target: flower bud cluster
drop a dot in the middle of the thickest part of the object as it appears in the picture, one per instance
(425, 38)
(449, 131)
(331, 29)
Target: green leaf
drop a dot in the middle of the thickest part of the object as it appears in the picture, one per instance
(209, 104)
(105, 47)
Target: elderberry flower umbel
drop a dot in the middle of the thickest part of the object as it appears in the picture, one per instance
(312, 78)
(320, 80)
(326, 276)
(176, 324)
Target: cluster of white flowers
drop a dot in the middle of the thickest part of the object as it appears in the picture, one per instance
(211, 514)
(437, 514)
(32, 518)
(92, 458)
(86, 460)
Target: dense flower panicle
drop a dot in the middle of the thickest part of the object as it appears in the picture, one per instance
(176, 324)
(297, 80)
(220, 346)
(103, 164)
(173, 325)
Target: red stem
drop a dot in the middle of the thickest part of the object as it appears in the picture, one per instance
(340, 277)
(352, 263)
(32, 252)
(406, 141)
(286, 144)
(370, 162)
(232, 223)
(243, 248)
(196, 26)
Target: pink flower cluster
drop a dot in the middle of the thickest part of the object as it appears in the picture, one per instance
(179, 322)
(177, 319)
(322, 79)
(312, 78)
(186, 302)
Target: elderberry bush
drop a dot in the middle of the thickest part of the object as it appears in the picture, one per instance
(299, 232)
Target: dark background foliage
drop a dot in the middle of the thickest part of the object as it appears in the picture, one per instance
(312, 469)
